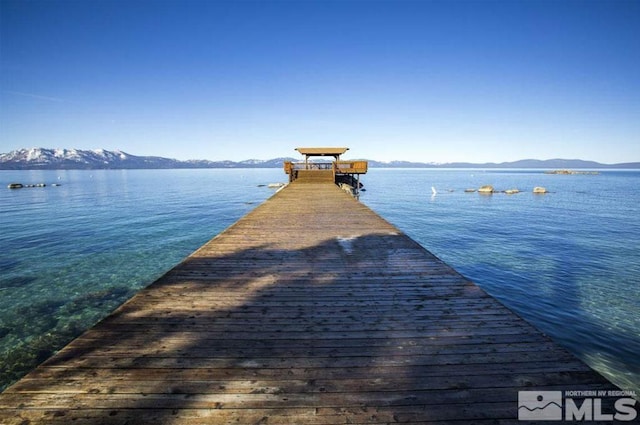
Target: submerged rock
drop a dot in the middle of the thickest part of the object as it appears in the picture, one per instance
(20, 185)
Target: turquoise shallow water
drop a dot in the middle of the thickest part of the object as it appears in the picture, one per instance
(567, 261)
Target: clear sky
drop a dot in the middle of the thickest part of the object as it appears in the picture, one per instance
(432, 81)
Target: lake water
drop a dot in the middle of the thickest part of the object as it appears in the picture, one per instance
(567, 261)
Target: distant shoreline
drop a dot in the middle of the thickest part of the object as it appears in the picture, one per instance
(571, 172)
(100, 159)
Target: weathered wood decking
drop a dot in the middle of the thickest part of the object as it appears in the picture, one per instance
(311, 309)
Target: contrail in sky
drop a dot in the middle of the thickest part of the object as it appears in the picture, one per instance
(35, 96)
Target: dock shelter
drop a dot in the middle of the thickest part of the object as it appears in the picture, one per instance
(338, 171)
(311, 152)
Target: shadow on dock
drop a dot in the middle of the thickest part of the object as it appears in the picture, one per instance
(368, 330)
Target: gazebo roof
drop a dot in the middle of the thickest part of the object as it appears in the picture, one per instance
(322, 151)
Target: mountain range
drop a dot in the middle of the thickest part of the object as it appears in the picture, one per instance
(58, 159)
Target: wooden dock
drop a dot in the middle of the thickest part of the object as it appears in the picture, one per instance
(311, 309)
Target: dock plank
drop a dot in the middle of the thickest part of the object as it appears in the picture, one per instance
(310, 309)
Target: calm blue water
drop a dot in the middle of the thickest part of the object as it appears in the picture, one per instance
(567, 261)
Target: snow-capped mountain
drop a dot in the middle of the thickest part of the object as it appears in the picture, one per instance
(43, 158)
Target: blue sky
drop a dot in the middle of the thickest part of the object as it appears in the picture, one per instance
(441, 81)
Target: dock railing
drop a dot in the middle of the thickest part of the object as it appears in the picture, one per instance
(350, 167)
(338, 167)
(290, 166)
